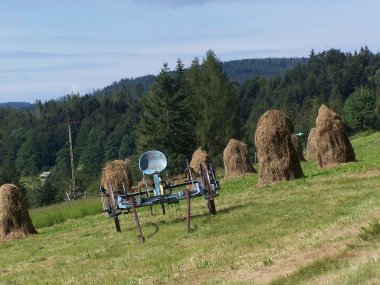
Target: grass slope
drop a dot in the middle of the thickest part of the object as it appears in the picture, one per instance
(323, 229)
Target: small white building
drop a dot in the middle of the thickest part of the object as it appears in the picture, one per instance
(45, 175)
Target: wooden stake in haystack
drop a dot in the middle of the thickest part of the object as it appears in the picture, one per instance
(333, 145)
(118, 174)
(311, 150)
(278, 159)
(236, 160)
(298, 146)
(15, 221)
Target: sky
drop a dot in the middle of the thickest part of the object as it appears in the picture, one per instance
(51, 48)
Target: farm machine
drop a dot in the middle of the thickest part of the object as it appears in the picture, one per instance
(162, 190)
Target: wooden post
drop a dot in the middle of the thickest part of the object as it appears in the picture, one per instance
(138, 226)
(113, 207)
(187, 194)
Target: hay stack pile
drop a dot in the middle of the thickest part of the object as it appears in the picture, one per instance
(311, 150)
(198, 157)
(333, 145)
(278, 160)
(118, 174)
(15, 221)
(298, 147)
(236, 160)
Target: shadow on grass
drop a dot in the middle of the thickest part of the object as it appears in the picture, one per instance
(180, 219)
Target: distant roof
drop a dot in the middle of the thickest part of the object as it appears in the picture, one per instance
(45, 174)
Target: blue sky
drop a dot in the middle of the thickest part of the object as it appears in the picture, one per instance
(50, 48)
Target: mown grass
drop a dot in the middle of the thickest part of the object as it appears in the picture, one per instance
(318, 230)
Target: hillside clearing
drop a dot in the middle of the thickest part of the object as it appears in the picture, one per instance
(321, 230)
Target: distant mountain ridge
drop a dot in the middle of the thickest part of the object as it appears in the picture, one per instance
(16, 105)
(237, 70)
(244, 69)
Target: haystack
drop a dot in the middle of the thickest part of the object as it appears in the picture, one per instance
(333, 145)
(278, 159)
(118, 174)
(15, 221)
(298, 147)
(198, 157)
(236, 160)
(311, 149)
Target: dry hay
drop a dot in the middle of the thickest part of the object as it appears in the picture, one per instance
(333, 145)
(198, 157)
(118, 174)
(143, 183)
(15, 221)
(278, 160)
(297, 146)
(311, 149)
(236, 160)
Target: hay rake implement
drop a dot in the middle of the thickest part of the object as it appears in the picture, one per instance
(153, 165)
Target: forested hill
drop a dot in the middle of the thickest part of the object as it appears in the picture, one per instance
(16, 105)
(244, 69)
(236, 70)
(182, 110)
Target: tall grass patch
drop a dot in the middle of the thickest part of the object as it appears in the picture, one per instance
(58, 213)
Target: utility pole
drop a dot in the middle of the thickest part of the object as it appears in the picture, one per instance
(73, 192)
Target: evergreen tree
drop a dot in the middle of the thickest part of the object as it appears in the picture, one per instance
(359, 108)
(47, 193)
(166, 121)
(336, 102)
(217, 106)
(9, 173)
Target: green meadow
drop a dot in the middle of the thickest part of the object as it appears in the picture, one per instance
(322, 229)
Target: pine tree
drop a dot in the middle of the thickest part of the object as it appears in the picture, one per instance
(9, 173)
(217, 107)
(166, 122)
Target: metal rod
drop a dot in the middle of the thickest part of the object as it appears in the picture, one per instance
(163, 207)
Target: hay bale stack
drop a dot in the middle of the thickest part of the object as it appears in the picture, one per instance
(333, 145)
(198, 157)
(278, 160)
(15, 221)
(117, 172)
(311, 149)
(236, 160)
(297, 146)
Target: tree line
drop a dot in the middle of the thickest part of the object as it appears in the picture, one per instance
(183, 109)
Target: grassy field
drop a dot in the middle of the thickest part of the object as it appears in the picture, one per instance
(59, 213)
(323, 229)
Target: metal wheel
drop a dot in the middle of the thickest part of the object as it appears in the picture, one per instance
(207, 185)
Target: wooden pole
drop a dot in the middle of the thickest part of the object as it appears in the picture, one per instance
(113, 207)
(187, 194)
(137, 222)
